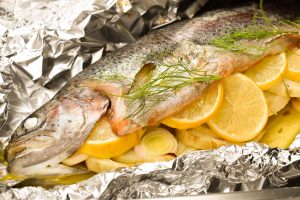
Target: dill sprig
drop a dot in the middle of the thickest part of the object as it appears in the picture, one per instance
(170, 74)
(261, 27)
(172, 78)
(234, 41)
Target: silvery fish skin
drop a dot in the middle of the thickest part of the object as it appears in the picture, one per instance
(59, 128)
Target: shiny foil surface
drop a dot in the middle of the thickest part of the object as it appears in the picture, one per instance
(227, 169)
(45, 43)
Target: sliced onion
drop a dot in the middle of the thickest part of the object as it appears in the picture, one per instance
(156, 143)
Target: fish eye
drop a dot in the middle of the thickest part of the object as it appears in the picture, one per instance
(33, 122)
(30, 123)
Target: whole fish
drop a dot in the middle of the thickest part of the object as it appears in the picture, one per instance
(146, 81)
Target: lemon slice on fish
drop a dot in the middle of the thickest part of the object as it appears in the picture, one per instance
(104, 143)
(244, 110)
(293, 67)
(269, 71)
(198, 112)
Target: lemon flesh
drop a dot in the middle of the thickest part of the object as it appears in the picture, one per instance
(244, 110)
(269, 71)
(198, 112)
(104, 143)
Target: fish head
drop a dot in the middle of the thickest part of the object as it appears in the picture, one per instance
(53, 133)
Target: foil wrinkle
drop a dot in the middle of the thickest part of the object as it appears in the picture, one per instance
(44, 44)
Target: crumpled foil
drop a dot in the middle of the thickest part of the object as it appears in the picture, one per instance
(43, 44)
(227, 169)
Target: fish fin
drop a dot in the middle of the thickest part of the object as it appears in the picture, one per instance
(143, 76)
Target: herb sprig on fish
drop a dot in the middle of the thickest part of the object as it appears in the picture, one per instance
(174, 76)
(261, 27)
(157, 79)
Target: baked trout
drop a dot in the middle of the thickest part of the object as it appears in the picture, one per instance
(148, 80)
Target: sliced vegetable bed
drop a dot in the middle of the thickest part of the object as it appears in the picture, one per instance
(261, 104)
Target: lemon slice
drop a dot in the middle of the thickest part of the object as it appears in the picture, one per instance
(198, 112)
(268, 72)
(200, 138)
(275, 102)
(293, 67)
(104, 143)
(244, 110)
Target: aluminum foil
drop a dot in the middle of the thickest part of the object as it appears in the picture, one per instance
(227, 169)
(45, 43)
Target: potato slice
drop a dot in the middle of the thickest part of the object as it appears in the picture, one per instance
(131, 158)
(102, 165)
(200, 138)
(282, 129)
(74, 159)
(182, 149)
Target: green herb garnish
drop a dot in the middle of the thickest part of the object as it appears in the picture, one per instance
(261, 27)
(169, 75)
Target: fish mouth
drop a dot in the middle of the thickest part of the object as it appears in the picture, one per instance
(33, 156)
(44, 169)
